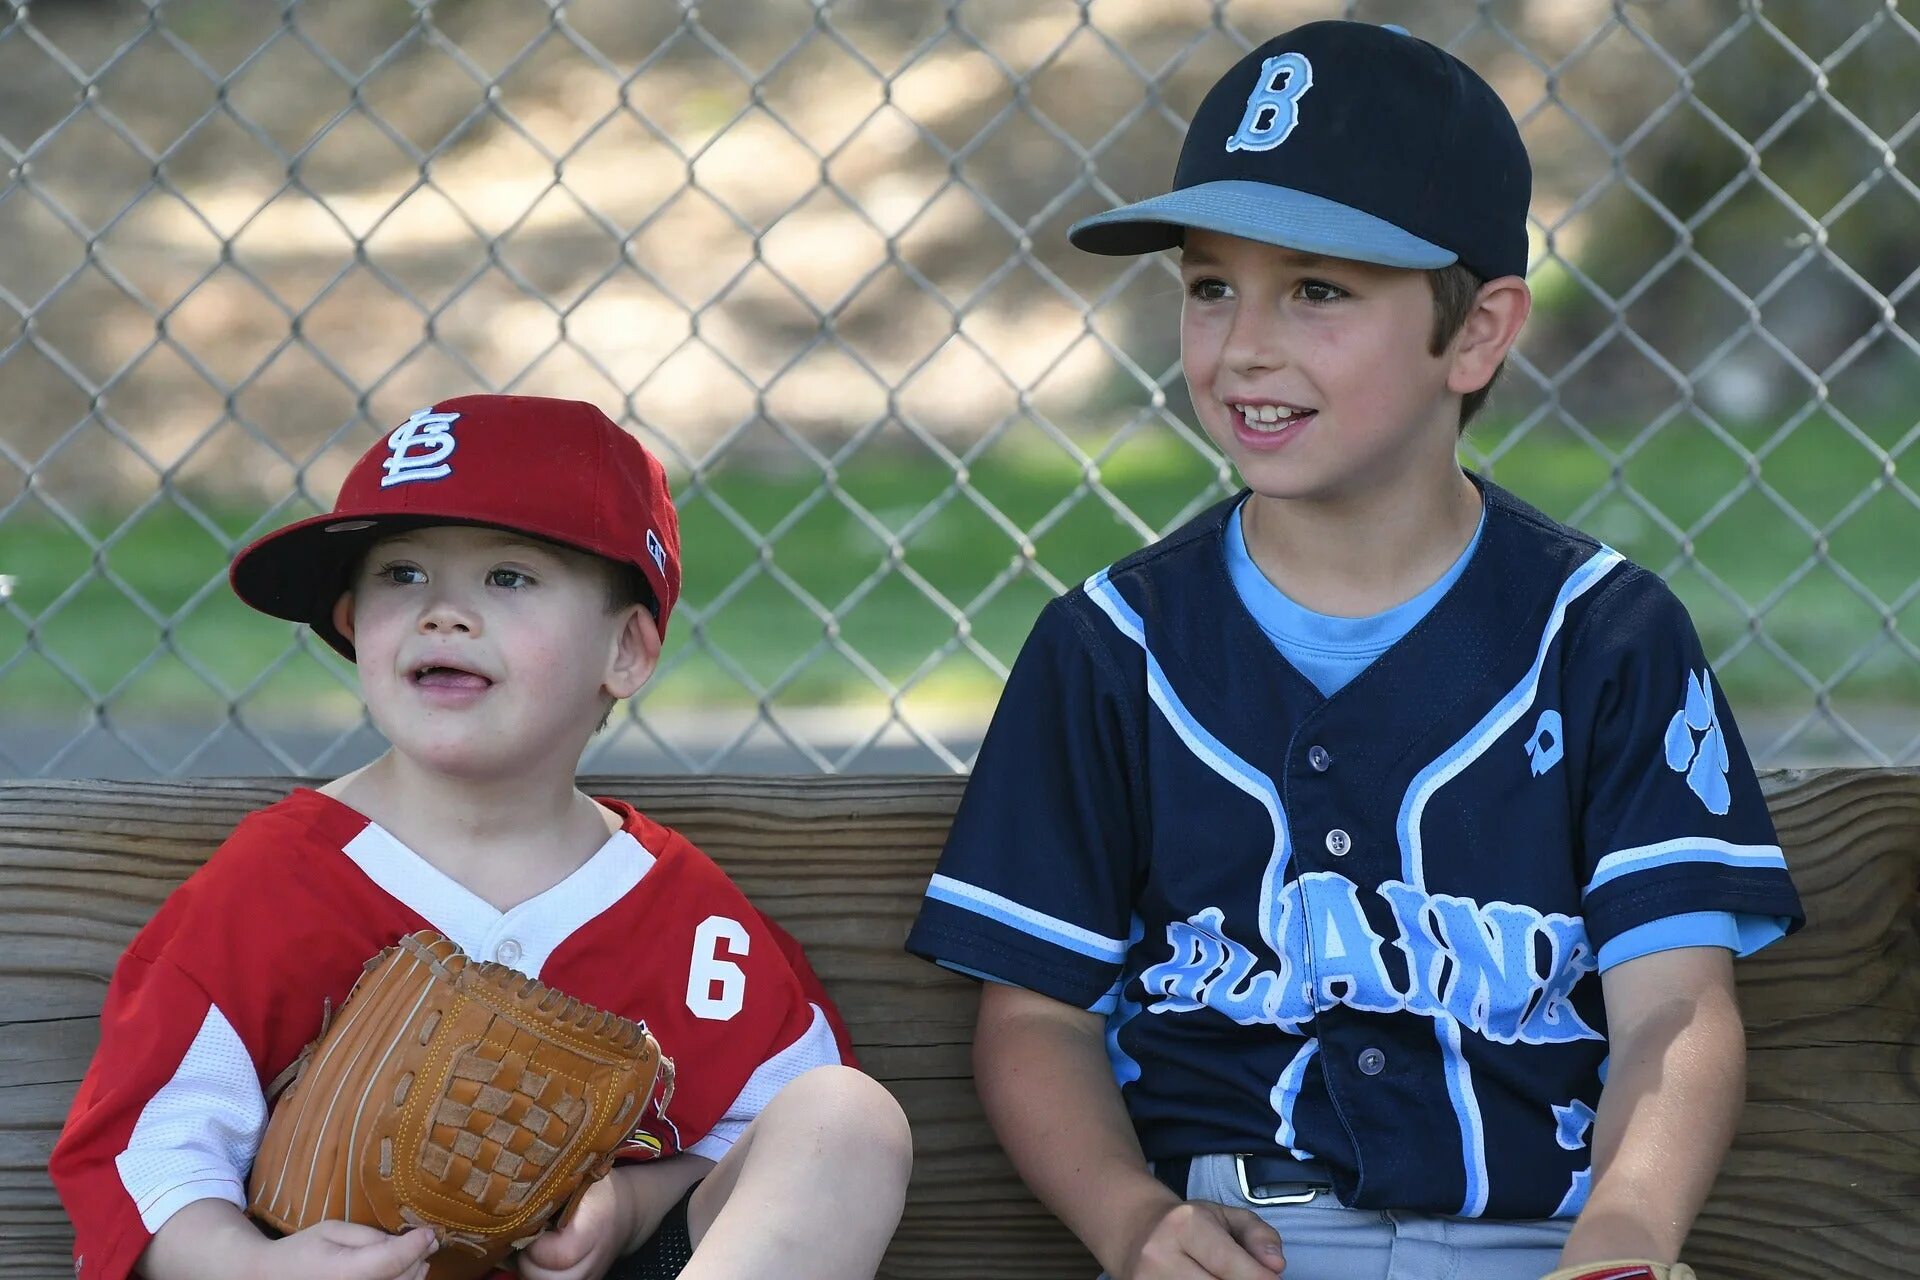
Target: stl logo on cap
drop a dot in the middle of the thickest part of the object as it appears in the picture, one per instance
(420, 447)
(1273, 108)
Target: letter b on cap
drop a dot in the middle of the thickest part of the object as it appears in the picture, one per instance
(1273, 108)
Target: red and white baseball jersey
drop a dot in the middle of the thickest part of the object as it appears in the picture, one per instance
(225, 986)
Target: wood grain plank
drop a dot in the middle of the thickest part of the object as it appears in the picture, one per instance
(1824, 1178)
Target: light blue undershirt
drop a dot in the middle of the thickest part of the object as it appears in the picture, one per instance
(1331, 651)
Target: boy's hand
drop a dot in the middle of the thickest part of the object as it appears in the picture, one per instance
(588, 1245)
(348, 1251)
(1196, 1239)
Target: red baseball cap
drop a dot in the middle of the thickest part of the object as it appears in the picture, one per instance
(557, 469)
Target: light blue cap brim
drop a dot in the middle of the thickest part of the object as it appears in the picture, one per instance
(1257, 211)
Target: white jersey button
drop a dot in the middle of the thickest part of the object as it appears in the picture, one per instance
(1372, 1062)
(1338, 842)
(507, 953)
(1318, 757)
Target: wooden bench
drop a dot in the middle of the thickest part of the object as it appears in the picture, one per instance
(1824, 1179)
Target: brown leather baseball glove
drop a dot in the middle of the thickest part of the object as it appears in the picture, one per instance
(454, 1094)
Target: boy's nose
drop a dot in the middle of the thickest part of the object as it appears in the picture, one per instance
(444, 614)
(1254, 342)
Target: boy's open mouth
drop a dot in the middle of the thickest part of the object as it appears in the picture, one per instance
(436, 676)
(1268, 418)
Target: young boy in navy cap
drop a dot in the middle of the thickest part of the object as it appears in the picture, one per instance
(1356, 872)
(500, 569)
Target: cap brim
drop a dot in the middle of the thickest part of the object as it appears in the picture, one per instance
(1257, 211)
(298, 572)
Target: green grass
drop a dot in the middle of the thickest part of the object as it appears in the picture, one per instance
(737, 599)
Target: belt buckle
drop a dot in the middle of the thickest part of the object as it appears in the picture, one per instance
(1304, 1195)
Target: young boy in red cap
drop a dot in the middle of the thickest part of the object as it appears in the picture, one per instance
(501, 570)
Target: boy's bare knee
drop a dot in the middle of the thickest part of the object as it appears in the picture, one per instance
(853, 1113)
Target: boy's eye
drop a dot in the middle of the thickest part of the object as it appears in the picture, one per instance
(1207, 289)
(404, 575)
(1320, 291)
(508, 578)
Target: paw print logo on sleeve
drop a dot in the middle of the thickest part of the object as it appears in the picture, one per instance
(1702, 758)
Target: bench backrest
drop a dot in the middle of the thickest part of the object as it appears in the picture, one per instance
(1824, 1178)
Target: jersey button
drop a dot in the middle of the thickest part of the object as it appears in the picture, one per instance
(507, 953)
(1372, 1062)
(1317, 757)
(1338, 842)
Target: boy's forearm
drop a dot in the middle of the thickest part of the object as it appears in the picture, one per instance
(647, 1190)
(207, 1240)
(1675, 1086)
(1048, 1091)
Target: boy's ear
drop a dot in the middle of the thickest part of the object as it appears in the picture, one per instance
(1489, 331)
(636, 652)
(343, 615)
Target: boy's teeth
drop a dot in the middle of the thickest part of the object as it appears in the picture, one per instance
(1264, 413)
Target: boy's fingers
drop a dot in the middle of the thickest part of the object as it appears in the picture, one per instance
(556, 1250)
(1211, 1242)
(528, 1268)
(388, 1259)
(1256, 1236)
(348, 1235)
(1180, 1268)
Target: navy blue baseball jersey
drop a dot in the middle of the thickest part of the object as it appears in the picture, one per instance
(1365, 928)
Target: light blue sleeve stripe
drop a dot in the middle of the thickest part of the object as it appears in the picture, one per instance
(1103, 1006)
(973, 973)
(1035, 924)
(1757, 857)
(1742, 933)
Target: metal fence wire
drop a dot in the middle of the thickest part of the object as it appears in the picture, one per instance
(814, 254)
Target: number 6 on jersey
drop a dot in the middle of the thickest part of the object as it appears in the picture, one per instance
(716, 988)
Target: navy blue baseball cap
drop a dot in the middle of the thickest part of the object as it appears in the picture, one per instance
(1350, 141)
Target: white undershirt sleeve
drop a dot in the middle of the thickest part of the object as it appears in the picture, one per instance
(815, 1047)
(196, 1138)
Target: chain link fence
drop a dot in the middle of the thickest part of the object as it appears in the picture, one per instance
(814, 254)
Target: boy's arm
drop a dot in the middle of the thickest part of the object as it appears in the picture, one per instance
(212, 1240)
(1042, 1071)
(1676, 1081)
(208, 1238)
(618, 1215)
(647, 1190)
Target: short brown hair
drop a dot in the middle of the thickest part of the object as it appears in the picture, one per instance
(1454, 290)
(627, 585)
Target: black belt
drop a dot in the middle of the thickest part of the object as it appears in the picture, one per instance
(1263, 1179)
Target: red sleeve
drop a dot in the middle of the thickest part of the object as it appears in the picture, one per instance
(218, 993)
(155, 1020)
